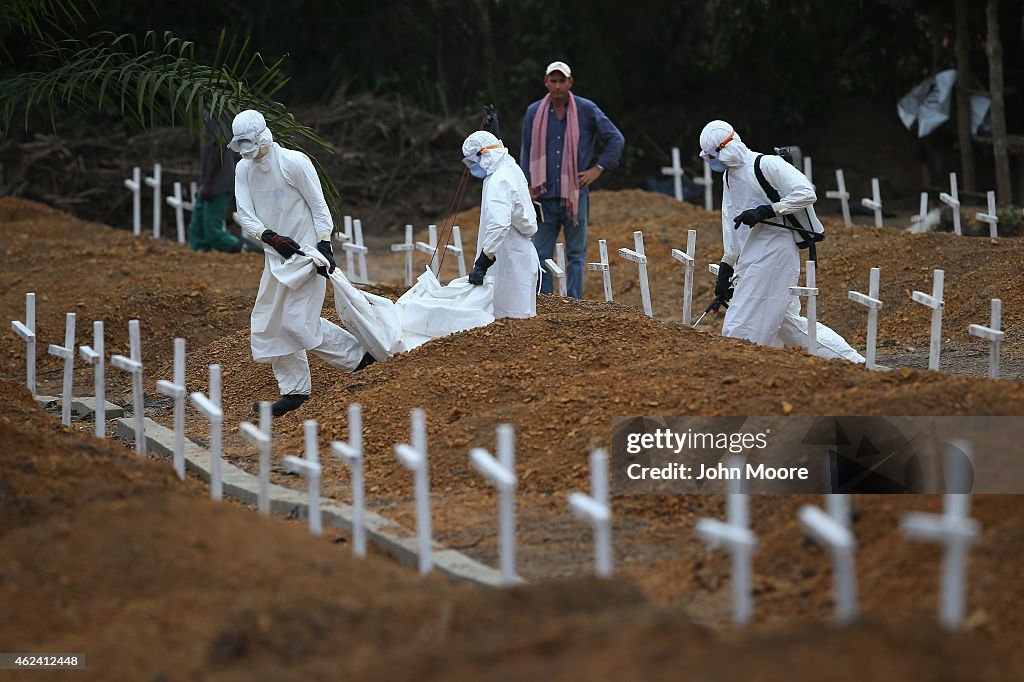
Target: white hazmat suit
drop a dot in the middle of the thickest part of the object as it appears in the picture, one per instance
(507, 221)
(766, 258)
(278, 189)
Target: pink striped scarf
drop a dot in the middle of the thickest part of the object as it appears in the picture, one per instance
(570, 179)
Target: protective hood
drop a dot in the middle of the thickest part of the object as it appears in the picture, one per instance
(250, 132)
(733, 152)
(486, 149)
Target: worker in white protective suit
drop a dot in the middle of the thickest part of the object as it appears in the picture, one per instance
(761, 261)
(281, 203)
(507, 221)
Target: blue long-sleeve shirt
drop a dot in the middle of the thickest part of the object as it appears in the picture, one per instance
(593, 124)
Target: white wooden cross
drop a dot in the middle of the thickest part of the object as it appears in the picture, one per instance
(936, 303)
(178, 203)
(557, 268)
(310, 468)
(841, 544)
(430, 248)
(261, 437)
(357, 227)
(811, 292)
(502, 473)
(808, 170)
(456, 249)
(93, 355)
(190, 205)
(414, 458)
(154, 182)
(994, 335)
(27, 331)
(346, 240)
(953, 201)
(135, 185)
(406, 247)
(991, 217)
(178, 392)
(922, 211)
(352, 453)
(211, 409)
(687, 260)
(709, 185)
(875, 202)
(873, 304)
(842, 195)
(637, 256)
(737, 539)
(133, 365)
(676, 171)
(838, 507)
(957, 531)
(603, 268)
(595, 509)
(67, 352)
(354, 247)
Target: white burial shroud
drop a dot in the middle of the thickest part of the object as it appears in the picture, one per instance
(385, 327)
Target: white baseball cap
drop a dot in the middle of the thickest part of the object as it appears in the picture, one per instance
(559, 66)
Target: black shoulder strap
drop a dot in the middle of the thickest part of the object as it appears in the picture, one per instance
(773, 194)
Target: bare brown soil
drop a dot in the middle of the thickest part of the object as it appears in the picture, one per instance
(560, 378)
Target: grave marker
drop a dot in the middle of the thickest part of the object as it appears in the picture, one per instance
(708, 184)
(840, 542)
(922, 211)
(557, 268)
(133, 365)
(154, 181)
(637, 256)
(430, 248)
(842, 195)
(737, 539)
(456, 249)
(595, 509)
(414, 458)
(357, 227)
(178, 392)
(352, 453)
(953, 201)
(261, 438)
(687, 260)
(953, 528)
(994, 335)
(93, 355)
(603, 268)
(936, 303)
(350, 264)
(27, 331)
(991, 217)
(501, 472)
(406, 247)
(211, 409)
(135, 185)
(808, 170)
(676, 171)
(811, 292)
(67, 353)
(310, 468)
(875, 202)
(178, 204)
(873, 304)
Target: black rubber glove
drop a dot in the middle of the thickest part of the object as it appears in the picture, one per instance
(491, 124)
(324, 247)
(723, 289)
(753, 216)
(286, 246)
(483, 261)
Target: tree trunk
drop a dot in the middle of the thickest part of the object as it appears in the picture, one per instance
(994, 50)
(963, 96)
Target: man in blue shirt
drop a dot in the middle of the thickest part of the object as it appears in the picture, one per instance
(557, 144)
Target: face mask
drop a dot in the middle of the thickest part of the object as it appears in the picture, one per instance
(477, 171)
(717, 165)
(250, 153)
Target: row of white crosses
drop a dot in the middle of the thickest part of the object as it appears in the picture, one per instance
(677, 173)
(176, 201)
(431, 248)
(953, 527)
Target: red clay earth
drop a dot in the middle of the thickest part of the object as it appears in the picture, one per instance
(560, 378)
